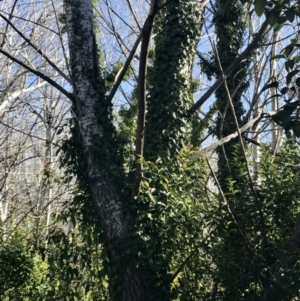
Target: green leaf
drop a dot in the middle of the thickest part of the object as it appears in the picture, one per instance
(260, 7)
(288, 50)
(59, 131)
(284, 90)
(283, 118)
(290, 76)
(297, 58)
(75, 272)
(290, 108)
(289, 65)
(276, 27)
(278, 56)
(296, 128)
(273, 19)
(290, 14)
(281, 20)
(268, 86)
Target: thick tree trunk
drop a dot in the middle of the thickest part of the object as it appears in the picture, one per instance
(110, 207)
(80, 31)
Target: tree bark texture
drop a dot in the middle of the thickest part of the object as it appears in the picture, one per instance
(115, 222)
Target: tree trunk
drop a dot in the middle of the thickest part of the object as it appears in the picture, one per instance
(97, 133)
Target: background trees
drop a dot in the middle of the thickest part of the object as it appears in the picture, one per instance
(108, 188)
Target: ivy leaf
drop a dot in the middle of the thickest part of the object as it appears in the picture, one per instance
(268, 86)
(260, 6)
(284, 90)
(59, 131)
(290, 14)
(288, 50)
(296, 128)
(278, 56)
(290, 107)
(290, 76)
(283, 118)
(289, 65)
(273, 19)
(281, 20)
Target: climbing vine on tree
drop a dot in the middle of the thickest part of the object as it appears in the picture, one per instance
(230, 24)
(177, 32)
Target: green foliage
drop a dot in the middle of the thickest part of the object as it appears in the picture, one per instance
(288, 116)
(16, 264)
(177, 31)
(127, 117)
(185, 233)
(193, 244)
(69, 267)
(23, 272)
(248, 233)
(207, 252)
(260, 6)
(277, 12)
(79, 257)
(169, 222)
(230, 24)
(110, 76)
(75, 263)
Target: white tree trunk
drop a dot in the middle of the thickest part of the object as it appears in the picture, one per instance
(105, 193)
(276, 130)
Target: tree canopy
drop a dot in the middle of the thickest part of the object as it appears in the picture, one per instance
(149, 151)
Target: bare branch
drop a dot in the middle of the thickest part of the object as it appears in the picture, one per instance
(124, 69)
(139, 151)
(37, 49)
(230, 68)
(130, 57)
(134, 16)
(39, 74)
(220, 142)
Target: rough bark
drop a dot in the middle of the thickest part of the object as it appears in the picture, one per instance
(105, 190)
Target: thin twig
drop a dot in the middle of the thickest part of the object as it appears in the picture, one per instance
(230, 102)
(134, 16)
(220, 142)
(130, 57)
(244, 238)
(251, 141)
(230, 68)
(39, 74)
(29, 135)
(124, 69)
(38, 50)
